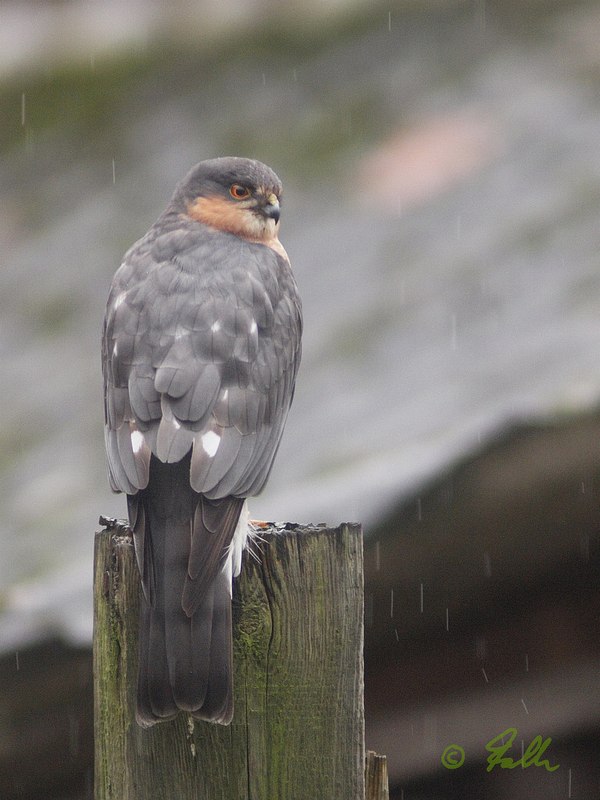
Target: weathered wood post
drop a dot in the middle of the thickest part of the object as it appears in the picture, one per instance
(298, 728)
(376, 777)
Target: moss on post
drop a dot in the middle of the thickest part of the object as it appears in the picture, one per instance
(298, 725)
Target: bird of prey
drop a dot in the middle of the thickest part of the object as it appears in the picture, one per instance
(200, 350)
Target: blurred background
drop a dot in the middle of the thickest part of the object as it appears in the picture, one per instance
(441, 163)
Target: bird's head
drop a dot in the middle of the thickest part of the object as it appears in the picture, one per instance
(236, 195)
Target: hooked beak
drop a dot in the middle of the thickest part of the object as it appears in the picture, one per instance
(271, 208)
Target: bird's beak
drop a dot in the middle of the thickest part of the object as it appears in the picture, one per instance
(271, 208)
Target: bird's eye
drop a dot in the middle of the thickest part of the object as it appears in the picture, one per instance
(239, 192)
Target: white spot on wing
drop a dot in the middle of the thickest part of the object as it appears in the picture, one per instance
(253, 326)
(215, 328)
(137, 441)
(210, 443)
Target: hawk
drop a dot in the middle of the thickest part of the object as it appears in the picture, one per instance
(200, 350)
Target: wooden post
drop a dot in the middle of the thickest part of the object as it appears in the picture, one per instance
(298, 727)
(376, 777)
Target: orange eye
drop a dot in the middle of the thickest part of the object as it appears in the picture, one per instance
(239, 192)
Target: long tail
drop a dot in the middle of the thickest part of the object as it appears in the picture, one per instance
(185, 640)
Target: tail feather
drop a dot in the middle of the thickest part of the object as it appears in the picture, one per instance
(185, 654)
(187, 640)
(218, 705)
(155, 699)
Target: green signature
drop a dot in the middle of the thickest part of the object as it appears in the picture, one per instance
(453, 756)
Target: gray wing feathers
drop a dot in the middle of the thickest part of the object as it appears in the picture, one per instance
(198, 401)
(173, 439)
(201, 356)
(128, 455)
(143, 396)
